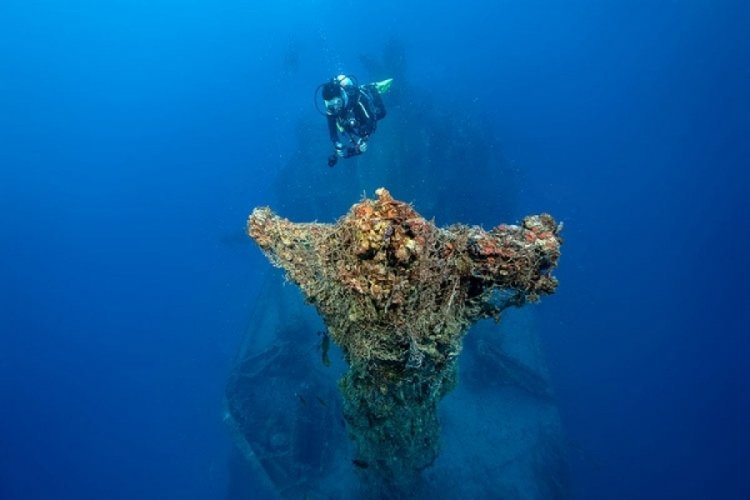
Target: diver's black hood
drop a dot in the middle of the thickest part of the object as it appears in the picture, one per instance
(331, 90)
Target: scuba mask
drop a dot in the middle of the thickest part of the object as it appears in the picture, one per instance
(334, 105)
(335, 93)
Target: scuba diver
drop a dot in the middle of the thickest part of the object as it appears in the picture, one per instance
(353, 112)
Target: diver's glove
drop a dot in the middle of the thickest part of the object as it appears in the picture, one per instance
(361, 145)
(339, 149)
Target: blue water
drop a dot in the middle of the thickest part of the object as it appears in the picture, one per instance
(135, 137)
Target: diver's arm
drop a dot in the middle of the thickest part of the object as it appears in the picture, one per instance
(359, 147)
(351, 151)
(347, 152)
(333, 131)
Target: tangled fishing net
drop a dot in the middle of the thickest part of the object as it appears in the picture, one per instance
(397, 294)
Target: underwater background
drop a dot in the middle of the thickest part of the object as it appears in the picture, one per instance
(136, 137)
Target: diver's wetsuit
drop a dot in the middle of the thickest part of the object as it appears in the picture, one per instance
(358, 120)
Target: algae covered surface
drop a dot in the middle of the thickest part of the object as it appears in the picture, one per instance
(397, 294)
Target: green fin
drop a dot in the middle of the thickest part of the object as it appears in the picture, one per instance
(383, 86)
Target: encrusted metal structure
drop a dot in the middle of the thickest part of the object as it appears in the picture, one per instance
(397, 293)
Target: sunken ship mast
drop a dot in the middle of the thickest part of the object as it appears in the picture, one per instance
(397, 294)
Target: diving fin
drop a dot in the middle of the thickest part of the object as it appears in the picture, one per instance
(383, 86)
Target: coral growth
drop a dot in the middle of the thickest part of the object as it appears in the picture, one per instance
(397, 294)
